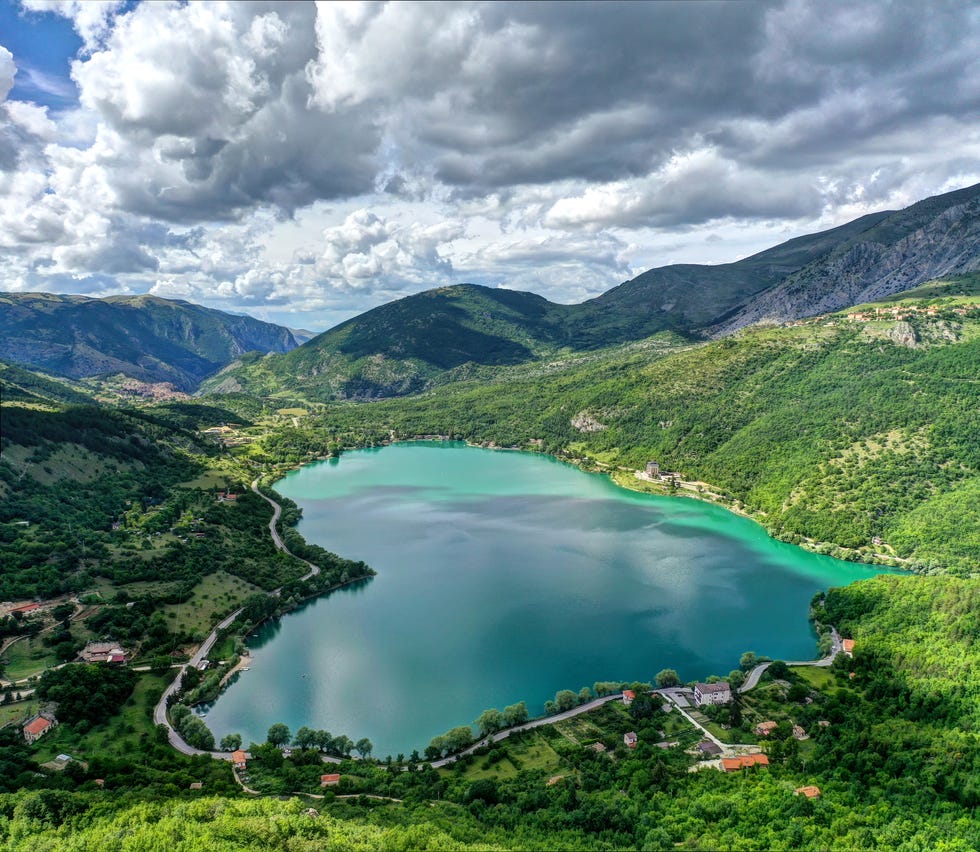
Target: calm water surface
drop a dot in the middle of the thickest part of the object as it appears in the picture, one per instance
(505, 577)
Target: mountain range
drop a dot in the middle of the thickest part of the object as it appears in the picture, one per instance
(142, 337)
(409, 345)
(436, 336)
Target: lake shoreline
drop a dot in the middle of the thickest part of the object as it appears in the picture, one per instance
(583, 522)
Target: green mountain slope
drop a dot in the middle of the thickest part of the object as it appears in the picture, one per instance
(30, 386)
(399, 347)
(451, 333)
(835, 430)
(144, 337)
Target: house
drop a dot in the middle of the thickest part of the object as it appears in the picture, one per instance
(331, 779)
(598, 748)
(38, 727)
(239, 758)
(707, 747)
(653, 469)
(630, 739)
(847, 646)
(799, 733)
(712, 693)
(810, 791)
(764, 729)
(733, 764)
(103, 652)
(628, 697)
(26, 609)
(196, 785)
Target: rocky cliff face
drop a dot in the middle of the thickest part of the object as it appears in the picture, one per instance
(928, 240)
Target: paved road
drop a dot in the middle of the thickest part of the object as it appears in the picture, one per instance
(757, 672)
(276, 512)
(537, 723)
(160, 711)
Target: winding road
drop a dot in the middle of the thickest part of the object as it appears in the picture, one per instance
(160, 711)
(280, 545)
(753, 676)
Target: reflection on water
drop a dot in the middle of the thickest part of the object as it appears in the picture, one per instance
(505, 577)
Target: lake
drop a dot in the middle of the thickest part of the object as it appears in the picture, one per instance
(506, 576)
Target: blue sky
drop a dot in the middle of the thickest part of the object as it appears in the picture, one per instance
(303, 163)
(43, 46)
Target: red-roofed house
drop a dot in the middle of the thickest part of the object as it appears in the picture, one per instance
(847, 646)
(38, 727)
(331, 779)
(238, 758)
(628, 697)
(733, 764)
(810, 791)
(26, 608)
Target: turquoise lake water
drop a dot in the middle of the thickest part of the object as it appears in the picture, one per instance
(507, 576)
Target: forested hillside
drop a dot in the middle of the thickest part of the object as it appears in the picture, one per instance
(896, 766)
(142, 337)
(838, 430)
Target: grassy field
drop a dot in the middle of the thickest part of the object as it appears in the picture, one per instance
(541, 748)
(212, 478)
(107, 591)
(818, 678)
(27, 657)
(16, 712)
(532, 752)
(214, 596)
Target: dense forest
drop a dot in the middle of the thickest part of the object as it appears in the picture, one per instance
(830, 432)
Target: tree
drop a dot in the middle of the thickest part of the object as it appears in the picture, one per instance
(748, 660)
(324, 739)
(565, 699)
(645, 705)
(342, 745)
(305, 738)
(231, 742)
(584, 695)
(736, 677)
(278, 735)
(490, 721)
(159, 665)
(515, 714)
(459, 738)
(364, 747)
(63, 611)
(667, 677)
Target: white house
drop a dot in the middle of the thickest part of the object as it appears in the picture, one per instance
(712, 693)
